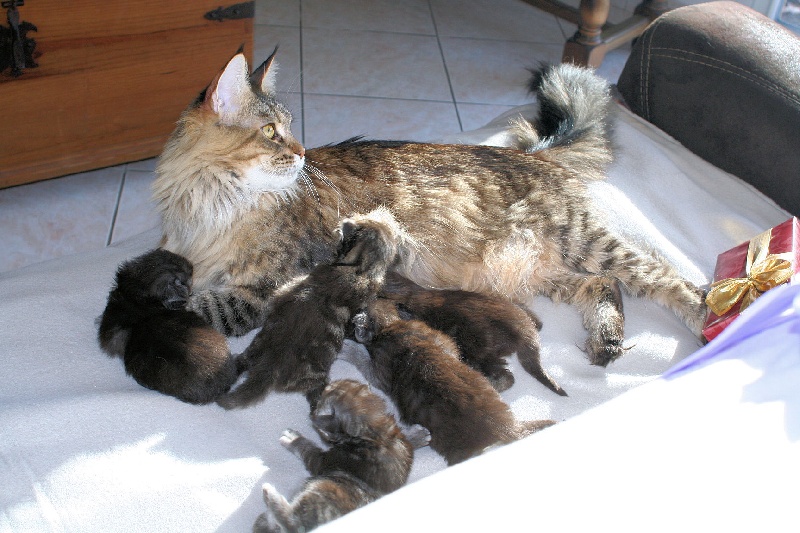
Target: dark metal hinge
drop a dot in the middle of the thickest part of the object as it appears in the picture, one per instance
(16, 48)
(245, 10)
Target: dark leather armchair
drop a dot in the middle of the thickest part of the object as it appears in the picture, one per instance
(724, 81)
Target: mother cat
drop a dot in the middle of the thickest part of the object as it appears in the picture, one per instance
(251, 208)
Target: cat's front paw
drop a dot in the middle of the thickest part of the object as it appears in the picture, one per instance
(288, 438)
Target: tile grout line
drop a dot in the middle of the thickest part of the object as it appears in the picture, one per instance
(116, 207)
(444, 63)
(302, 85)
(424, 100)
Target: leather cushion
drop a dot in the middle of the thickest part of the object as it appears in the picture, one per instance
(724, 81)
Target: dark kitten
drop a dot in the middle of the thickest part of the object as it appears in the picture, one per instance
(305, 330)
(164, 347)
(368, 457)
(419, 368)
(486, 328)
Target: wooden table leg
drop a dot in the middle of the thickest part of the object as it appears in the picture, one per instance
(586, 47)
(595, 36)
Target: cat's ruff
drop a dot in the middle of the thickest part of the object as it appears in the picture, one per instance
(487, 219)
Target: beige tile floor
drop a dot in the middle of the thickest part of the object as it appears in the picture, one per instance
(395, 69)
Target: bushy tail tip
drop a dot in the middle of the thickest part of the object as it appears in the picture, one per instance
(574, 105)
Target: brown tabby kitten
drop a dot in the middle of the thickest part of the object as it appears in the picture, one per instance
(368, 457)
(486, 328)
(308, 317)
(419, 368)
(242, 199)
(164, 347)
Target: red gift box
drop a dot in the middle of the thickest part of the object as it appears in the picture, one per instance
(745, 272)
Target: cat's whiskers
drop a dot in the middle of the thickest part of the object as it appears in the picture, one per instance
(323, 178)
(331, 185)
(308, 182)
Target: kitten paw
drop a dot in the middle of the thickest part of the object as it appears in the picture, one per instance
(227, 402)
(363, 327)
(176, 294)
(418, 436)
(288, 438)
(501, 380)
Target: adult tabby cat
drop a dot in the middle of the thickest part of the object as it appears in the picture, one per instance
(251, 208)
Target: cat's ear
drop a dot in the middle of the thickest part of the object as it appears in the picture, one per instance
(264, 76)
(227, 93)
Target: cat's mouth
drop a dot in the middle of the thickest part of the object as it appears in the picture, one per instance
(261, 179)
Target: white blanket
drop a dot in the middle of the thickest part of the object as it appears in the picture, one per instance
(84, 448)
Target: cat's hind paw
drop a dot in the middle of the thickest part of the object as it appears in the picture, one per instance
(603, 351)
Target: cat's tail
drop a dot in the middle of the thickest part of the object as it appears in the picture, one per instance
(528, 357)
(573, 125)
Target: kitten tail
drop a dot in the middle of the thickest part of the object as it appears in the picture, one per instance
(531, 362)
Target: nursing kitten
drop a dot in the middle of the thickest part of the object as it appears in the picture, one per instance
(252, 209)
(368, 457)
(485, 328)
(164, 347)
(419, 368)
(309, 316)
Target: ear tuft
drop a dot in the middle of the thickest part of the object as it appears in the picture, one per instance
(264, 76)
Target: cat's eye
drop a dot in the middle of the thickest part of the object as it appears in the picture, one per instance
(269, 130)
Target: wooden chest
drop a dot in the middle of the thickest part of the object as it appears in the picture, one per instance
(112, 79)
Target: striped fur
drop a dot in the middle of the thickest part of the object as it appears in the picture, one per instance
(511, 222)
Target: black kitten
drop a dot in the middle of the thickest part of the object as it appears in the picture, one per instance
(368, 457)
(164, 347)
(486, 329)
(421, 371)
(308, 318)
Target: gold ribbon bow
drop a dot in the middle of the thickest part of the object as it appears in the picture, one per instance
(763, 270)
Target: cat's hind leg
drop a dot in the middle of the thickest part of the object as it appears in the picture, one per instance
(599, 301)
(614, 264)
(279, 516)
(645, 274)
(254, 388)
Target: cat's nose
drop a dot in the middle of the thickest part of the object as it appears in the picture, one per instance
(298, 149)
